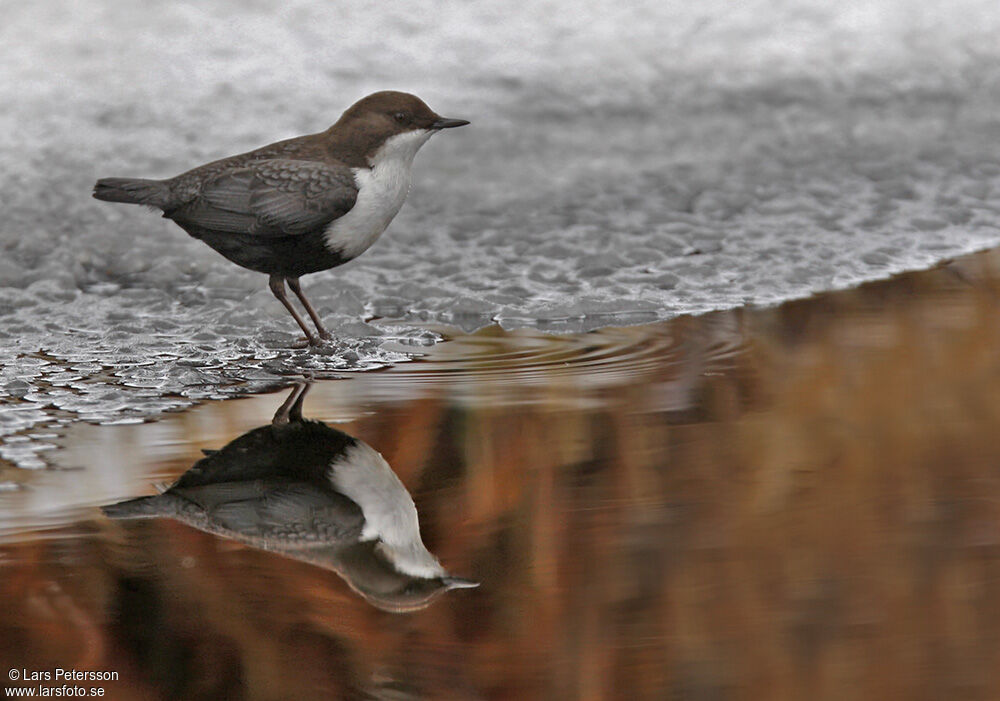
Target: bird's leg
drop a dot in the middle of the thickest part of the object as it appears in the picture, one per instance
(293, 282)
(291, 408)
(295, 412)
(277, 285)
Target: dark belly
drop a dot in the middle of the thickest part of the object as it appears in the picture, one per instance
(289, 256)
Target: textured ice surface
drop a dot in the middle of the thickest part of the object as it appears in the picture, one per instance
(627, 162)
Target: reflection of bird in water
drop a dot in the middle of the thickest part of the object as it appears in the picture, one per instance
(313, 493)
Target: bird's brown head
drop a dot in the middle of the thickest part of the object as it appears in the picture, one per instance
(372, 121)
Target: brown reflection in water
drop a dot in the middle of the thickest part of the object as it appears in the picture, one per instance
(791, 503)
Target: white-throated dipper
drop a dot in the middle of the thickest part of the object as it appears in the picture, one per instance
(312, 493)
(301, 205)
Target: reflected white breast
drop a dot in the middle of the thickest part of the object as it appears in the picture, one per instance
(363, 476)
(382, 189)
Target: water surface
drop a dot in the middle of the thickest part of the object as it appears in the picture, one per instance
(784, 503)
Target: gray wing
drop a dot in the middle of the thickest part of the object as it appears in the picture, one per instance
(292, 512)
(277, 197)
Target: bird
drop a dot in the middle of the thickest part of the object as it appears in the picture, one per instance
(300, 205)
(310, 492)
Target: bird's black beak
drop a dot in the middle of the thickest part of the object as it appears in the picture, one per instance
(445, 123)
(458, 582)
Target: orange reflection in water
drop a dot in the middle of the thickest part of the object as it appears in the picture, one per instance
(767, 504)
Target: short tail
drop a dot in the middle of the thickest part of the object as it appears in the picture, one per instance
(143, 507)
(132, 190)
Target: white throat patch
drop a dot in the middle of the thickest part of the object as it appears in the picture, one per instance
(382, 189)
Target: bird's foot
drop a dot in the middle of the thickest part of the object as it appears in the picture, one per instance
(311, 341)
(305, 342)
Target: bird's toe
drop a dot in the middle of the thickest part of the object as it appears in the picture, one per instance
(304, 342)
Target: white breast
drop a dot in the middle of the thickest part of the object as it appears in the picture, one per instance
(364, 476)
(382, 189)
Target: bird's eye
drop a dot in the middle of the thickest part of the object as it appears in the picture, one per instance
(400, 116)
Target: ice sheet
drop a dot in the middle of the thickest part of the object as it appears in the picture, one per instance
(627, 162)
